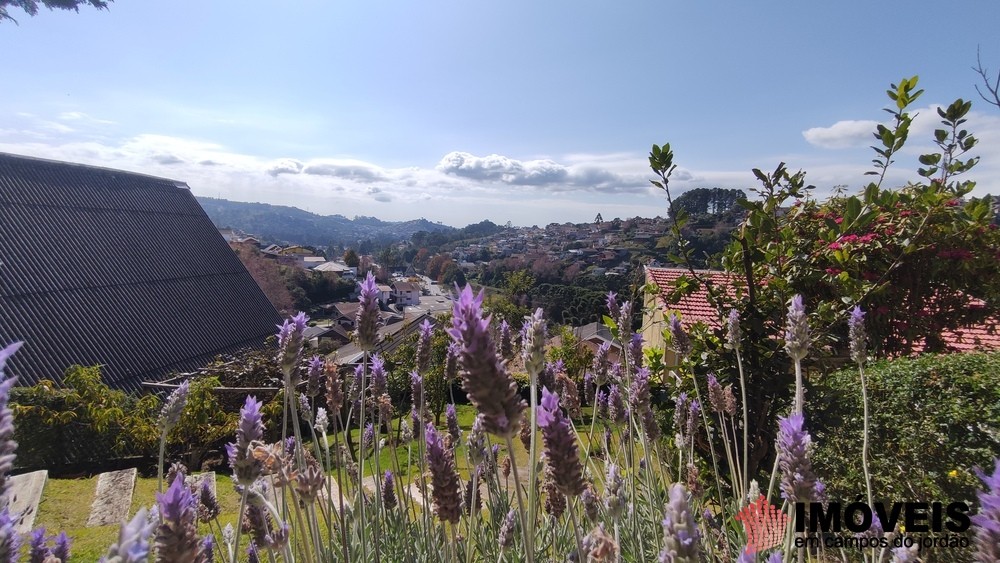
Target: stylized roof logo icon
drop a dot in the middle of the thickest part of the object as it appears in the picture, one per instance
(765, 525)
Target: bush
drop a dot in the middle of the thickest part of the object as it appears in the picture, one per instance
(933, 419)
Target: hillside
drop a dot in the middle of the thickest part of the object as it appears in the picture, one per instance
(283, 224)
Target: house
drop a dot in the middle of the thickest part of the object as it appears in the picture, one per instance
(384, 293)
(406, 293)
(316, 336)
(695, 308)
(339, 268)
(345, 314)
(123, 270)
(595, 334)
(390, 336)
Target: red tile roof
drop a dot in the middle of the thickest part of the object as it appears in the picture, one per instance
(694, 307)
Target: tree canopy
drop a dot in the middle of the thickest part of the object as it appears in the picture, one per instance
(30, 7)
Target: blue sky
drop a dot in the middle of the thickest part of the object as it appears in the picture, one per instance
(530, 112)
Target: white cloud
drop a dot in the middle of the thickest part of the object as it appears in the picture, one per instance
(348, 169)
(284, 166)
(541, 172)
(842, 134)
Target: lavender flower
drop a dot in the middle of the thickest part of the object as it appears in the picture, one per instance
(451, 418)
(133, 541)
(555, 500)
(367, 319)
(451, 362)
(445, 484)
(715, 396)
(246, 469)
(290, 341)
(506, 342)
(856, 335)
(589, 387)
(507, 529)
(911, 554)
(316, 369)
(322, 423)
(601, 364)
(424, 346)
(417, 393)
(61, 548)
(612, 304)
(170, 414)
(476, 444)
(7, 443)
(680, 535)
(616, 405)
(798, 482)
(207, 553)
(379, 379)
(484, 377)
(797, 330)
(334, 390)
(208, 504)
(615, 372)
(640, 398)
(561, 452)
(533, 343)
(389, 491)
(987, 522)
(614, 492)
(355, 388)
(591, 505)
(679, 339)
(733, 335)
(10, 542)
(625, 319)
(305, 409)
(177, 535)
(547, 377)
(649, 426)
(368, 437)
(601, 405)
(38, 551)
(635, 351)
(405, 433)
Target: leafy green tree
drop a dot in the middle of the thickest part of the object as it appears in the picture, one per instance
(31, 6)
(351, 258)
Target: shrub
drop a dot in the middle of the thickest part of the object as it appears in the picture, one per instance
(934, 419)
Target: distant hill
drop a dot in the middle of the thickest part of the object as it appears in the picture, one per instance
(283, 224)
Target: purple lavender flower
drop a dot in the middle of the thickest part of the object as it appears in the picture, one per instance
(733, 335)
(506, 342)
(681, 541)
(797, 330)
(445, 484)
(601, 405)
(615, 373)
(305, 409)
(208, 504)
(635, 351)
(61, 548)
(533, 343)
(418, 422)
(316, 368)
(625, 319)
(484, 377)
(856, 335)
(694, 409)
(367, 319)
(389, 491)
(451, 363)
(612, 303)
(354, 393)
(679, 339)
(451, 418)
(746, 556)
(987, 522)
(614, 492)
(798, 482)
(417, 392)
(640, 396)
(379, 379)
(547, 377)
(170, 414)
(177, 535)
(207, 553)
(561, 453)
(322, 422)
(910, 554)
(589, 387)
(7, 443)
(616, 405)
(246, 469)
(133, 540)
(507, 529)
(368, 437)
(715, 394)
(38, 550)
(290, 341)
(424, 346)
(649, 426)
(476, 443)
(601, 364)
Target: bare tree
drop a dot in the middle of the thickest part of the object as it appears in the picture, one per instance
(991, 87)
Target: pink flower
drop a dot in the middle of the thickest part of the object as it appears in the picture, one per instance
(834, 246)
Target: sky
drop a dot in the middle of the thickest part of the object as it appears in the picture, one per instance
(524, 111)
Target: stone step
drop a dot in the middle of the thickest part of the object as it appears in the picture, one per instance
(113, 498)
(25, 494)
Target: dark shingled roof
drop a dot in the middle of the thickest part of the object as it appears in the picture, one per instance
(107, 267)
